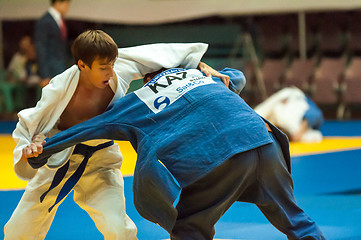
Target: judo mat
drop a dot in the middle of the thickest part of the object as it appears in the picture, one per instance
(327, 179)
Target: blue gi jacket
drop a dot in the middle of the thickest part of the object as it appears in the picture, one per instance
(190, 122)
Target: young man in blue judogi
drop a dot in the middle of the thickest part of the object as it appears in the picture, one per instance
(213, 148)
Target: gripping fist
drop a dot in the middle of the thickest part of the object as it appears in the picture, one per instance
(35, 147)
(210, 72)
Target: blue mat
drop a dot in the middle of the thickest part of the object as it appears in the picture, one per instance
(7, 127)
(339, 217)
(341, 128)
(327, 187)
(328, 173)
(73, 223)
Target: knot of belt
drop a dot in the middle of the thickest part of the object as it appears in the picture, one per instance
(87, 152)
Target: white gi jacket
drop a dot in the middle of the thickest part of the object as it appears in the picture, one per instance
(285, 109)
(132, 63)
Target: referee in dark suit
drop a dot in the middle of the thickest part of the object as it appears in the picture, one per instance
(51, 41)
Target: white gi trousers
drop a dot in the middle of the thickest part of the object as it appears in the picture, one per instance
(99, 191)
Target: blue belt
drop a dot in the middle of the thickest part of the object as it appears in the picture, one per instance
(87, 152)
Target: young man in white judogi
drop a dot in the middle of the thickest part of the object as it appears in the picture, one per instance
(101, 75)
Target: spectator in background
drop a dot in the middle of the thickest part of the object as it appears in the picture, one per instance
(294, 113)
(21, 60)
(51, 41)
(23, 79)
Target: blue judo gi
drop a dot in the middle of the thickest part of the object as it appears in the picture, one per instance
(214, 150)
(313, 115)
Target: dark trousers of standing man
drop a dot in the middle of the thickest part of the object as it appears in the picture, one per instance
(258, 176)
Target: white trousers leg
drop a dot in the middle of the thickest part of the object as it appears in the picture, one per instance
(31, 219)
(102, 196)
(100, 192)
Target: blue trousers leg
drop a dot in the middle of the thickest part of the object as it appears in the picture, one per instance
(258, 176)
(275, 197)
(202, 203)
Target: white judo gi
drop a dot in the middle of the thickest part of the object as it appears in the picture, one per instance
(100, 190)
(286, 109)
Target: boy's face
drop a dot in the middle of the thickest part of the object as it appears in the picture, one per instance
(62, 7)
(100, 72)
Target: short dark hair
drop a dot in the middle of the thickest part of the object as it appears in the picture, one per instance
(150, 76)
(53, 1)
(93, 44)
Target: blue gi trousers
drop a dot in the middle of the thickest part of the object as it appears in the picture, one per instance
(258, 176)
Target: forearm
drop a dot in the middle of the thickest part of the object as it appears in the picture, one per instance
(88, 130)
(135, 62)
(21, 167)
